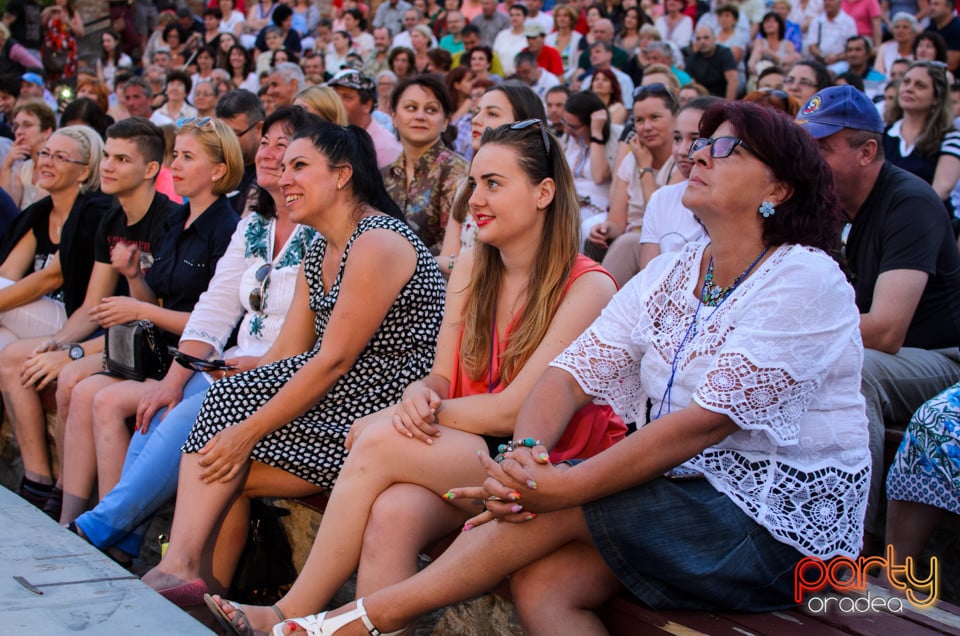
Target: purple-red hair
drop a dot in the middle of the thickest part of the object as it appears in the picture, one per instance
(811, 216)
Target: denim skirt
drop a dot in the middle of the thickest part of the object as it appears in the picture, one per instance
(684, 545)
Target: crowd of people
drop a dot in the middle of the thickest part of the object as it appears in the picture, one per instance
(386, 240)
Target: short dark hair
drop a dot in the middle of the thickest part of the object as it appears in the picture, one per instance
(281, 13)
(237, 101)
(521, 8)
(781, 24)
(862, 38)
(432, 82)
(471, 29)
(87, 111)
(819, 71)
(811, 216)
(180, 76)
(10, 83)
(145, 135)
(582, 105)
(852, 79)
(935, 39)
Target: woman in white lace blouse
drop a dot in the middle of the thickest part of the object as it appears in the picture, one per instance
(749, 351)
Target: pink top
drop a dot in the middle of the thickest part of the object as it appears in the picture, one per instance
(862, 12)
(165, 185)
(592, 428)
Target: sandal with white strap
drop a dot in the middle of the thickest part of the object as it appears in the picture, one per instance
(320, 625)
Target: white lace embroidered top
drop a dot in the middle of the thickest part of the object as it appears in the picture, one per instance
(781, 357)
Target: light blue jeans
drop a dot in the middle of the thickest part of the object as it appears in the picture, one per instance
(149, 477)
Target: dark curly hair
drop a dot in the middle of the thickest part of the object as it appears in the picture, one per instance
(811, 216)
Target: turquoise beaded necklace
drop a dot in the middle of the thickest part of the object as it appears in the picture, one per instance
(712, 294)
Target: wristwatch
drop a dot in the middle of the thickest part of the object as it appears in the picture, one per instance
(644, 171)
(75, 352)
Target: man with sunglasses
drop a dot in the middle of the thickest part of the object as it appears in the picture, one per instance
(243, 112)
(904, 267)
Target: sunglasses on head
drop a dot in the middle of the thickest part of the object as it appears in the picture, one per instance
(656, 88)
(522, 125)
(199, 122)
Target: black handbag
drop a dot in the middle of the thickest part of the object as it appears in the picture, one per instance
(266, 569)
(136, 351)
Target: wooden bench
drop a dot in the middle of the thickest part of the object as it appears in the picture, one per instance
(625, 616)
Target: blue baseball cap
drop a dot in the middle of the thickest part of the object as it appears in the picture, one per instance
(838, 107)
(33, 78)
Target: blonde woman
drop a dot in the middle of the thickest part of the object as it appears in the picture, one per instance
(323, 102)
(207, 163)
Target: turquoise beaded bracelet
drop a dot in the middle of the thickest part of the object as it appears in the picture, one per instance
(503, 449)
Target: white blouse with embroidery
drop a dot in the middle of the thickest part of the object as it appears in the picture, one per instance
(227, 299)
(781, 357)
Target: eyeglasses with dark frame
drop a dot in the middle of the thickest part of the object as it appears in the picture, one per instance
(258, 297)
(521, 125)
(802, 81)
(246, 130)
(720, 147)
(46, 154)
(655, 88)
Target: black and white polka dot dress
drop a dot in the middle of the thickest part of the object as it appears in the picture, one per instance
(401, 351)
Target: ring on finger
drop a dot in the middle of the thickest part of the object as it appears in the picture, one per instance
(494, 498)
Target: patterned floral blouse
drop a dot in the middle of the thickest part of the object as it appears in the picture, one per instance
(427, 202)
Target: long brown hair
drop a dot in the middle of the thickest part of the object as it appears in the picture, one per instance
(555, 256)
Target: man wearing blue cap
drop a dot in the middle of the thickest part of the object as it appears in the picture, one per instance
(905, 268)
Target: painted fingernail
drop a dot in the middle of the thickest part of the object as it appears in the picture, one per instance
(449, 495)
(530, 517)
(291, 626)
(430, 441)
(514, 496)
(467, 527)
(543, 457)
(516, 508)
(531, 484)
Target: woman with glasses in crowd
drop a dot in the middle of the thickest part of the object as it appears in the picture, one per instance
(426, 175)
(47, 262)
(31, 278)
(922, 139)
(33, 123)
(806, 78)
(512, 305)
(499, 105)
(250, 293)
(207, 164)
(756, 455)
(354, 333)
(205, 98)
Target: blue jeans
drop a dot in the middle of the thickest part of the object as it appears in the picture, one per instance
(149, 477)
(685, 545)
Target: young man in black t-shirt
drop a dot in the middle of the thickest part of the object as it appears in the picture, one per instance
(132, 157)
(905, 265)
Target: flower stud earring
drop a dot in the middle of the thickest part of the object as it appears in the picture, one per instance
(766, 209)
